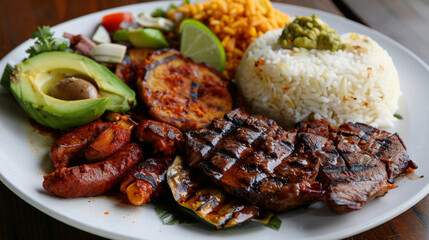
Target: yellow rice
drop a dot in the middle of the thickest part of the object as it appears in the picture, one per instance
(237, 23)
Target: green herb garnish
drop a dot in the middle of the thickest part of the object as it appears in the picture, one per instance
(161, 13)
(45, 42)
(5, 78)
(398, 116)
(275, 223)
(170, 213)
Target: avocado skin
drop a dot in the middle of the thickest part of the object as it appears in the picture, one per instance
(41, 71)
(64, 121)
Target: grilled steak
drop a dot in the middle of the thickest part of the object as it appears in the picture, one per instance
(358, 163)
(253, 158)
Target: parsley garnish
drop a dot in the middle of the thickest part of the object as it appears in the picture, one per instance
(161, 13)
(398, 116)
(45, 42)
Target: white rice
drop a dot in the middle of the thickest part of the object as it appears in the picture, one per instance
(359, 84)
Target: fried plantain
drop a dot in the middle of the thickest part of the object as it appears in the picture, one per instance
(182, 93)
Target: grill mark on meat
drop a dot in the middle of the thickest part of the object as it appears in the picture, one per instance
(228, 217)
(334, 169)
(360, 167)
(171, 135)
(206, 203)
(253, 158)
(234, 215)
(191, 195)
(222, 126)
(155, 129)
(312, 141)
(204, 134)
(221, 163)
(247, 137)
(194, 91)
(361, 174)
(287, 145)
(246, 157)
(147, 178)
(384, 143)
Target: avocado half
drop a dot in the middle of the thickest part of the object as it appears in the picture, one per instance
(32, 79)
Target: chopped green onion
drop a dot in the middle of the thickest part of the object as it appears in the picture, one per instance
(398, 116)
(275, 223)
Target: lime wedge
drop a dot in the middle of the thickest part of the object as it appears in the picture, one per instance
(147, 38)
(201, 44)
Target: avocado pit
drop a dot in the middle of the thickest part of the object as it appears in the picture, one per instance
(98, 89)
(73, 88)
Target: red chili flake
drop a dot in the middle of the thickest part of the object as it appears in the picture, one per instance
(391, 186)
(106, 213)
(386, 160)
(260, 62)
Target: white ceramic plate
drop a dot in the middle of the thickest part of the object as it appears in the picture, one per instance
(23, 160)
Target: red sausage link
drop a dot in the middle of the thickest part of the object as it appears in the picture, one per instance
(70, 146)
(145, 181)
(110, 140)
(93, 179)
(163, 137)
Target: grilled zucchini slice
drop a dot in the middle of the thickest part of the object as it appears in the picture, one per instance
(209, 202)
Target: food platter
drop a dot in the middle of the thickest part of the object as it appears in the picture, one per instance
(24, 161)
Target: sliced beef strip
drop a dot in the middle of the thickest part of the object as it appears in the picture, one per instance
(358, 163)
(344, 197)
(385, 146)
(253, 158)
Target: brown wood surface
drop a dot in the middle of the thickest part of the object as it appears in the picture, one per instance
(405, 21)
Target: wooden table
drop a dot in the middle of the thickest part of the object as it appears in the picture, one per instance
(402, 20)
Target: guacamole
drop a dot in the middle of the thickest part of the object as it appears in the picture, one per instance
(310, 33)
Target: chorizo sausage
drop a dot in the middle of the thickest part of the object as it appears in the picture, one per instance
(110, 140)
(164, 138)
(145, 181)
(93, 179)
(70, 146)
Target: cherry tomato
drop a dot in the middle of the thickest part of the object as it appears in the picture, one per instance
(112, 21)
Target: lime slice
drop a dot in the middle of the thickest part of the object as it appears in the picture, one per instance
(201, 44)
(147, 38)
(121, 36)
